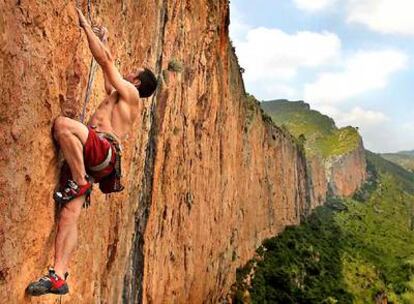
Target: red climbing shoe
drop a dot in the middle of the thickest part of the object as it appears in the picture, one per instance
(50, 283)
(72, 190)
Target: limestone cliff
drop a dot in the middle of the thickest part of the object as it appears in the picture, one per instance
(207, 176)
(345, 173)
(335, 156)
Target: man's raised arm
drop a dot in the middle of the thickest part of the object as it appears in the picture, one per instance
(102, 33)
(105, 60)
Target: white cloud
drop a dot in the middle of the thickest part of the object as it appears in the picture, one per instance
(271, 54)
(378, 132)
(272, 58)
(358, 117)
(238, 27)
(408, 127)
(386, 137)
(374, 127)
(362, 72)
(313, 5)
(279, 91)
(385, 16)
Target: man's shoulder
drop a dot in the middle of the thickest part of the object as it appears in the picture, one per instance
(132, 97)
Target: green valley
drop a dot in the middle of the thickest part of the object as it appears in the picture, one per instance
(350, 250)
(405, 159)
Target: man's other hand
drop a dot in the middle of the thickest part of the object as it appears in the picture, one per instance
(101, 32)
(82, 19)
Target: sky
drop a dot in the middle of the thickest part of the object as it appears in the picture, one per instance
(350, 59)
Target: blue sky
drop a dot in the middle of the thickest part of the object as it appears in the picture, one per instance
(350, 59)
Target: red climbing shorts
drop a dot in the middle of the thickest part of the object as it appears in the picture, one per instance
(95, 151)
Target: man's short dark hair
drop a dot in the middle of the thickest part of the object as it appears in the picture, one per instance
(148, 83)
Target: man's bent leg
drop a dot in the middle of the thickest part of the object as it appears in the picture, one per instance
(67, 234)
(72, 136)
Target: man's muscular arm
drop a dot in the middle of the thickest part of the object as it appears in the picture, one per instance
(102, 33)
(104, 58)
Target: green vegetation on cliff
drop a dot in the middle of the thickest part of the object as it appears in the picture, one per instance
(348, 251)
(403, 177)
(405, 159)
(319, 131)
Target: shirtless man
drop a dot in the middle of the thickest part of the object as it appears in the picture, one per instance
(91, 152)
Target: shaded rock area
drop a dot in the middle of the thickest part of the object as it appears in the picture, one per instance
(207, 176)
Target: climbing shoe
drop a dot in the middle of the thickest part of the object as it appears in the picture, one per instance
(50, 283)
(72, 190)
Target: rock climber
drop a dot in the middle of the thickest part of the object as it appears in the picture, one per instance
(92, 152)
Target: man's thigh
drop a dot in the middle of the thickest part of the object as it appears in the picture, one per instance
(73, 126)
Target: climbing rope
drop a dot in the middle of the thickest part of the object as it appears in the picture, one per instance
(92, 70)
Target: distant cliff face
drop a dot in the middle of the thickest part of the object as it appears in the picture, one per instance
(317, 180)
(339, 175)
(346, 172)
(335, 157)
(207, 177)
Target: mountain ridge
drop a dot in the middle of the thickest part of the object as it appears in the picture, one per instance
(404, 158)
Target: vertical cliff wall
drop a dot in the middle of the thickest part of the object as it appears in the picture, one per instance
(338, 175)
(317, 180)
(207, 177)
(345, 173)
(222, 183)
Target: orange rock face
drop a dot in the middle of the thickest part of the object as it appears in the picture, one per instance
(317, 181)
(207, 179)
(347, 172)
(44, 61)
